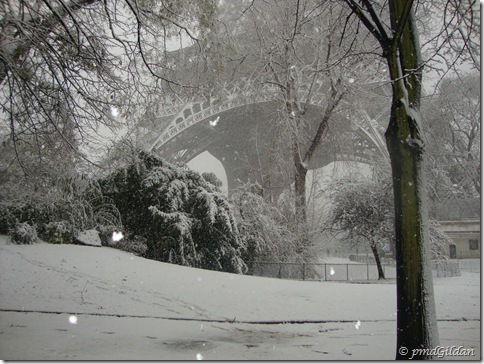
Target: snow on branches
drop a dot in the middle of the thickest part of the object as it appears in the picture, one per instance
(184, 218)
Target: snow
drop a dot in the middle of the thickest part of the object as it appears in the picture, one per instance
(117, 236)
(73, 302)
(73, 319)
(114, 111)
(89, 237)
(215, 121)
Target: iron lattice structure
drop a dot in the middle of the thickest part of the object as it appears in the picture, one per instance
(238, 127)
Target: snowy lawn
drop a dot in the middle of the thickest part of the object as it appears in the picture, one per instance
(61, 302)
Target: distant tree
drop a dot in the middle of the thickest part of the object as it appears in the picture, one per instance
(394, 24)
(454, 129)
(295, 49)
(264, 229)
(364, 208)
(212, 178)
(184, 219)
(31, 165)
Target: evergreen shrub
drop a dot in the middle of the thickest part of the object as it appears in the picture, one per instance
(58, 232)
(7, 219)
(24, 233)
(136, 245)
(183, 218)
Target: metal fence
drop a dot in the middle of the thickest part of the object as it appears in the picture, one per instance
(370, 259)
(445, 268)
(470, 265)
(320, 271)
(341, 271)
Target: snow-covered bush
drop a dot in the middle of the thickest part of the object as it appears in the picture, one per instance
(7, 219)
(364, 207)
(184, 219)
(438, 241)
(106, 234)
(74, 203)
(264, 229)
(24, 233)
(80, 201)
(58, 232)
(136, 245)
(33, 214)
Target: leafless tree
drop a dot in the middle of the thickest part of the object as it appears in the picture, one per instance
(363, 208)
(454, 128)
(451, 35)
(296, 48)
(394, 25)
(72, 65)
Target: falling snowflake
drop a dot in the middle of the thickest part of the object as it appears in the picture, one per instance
(114, 111)
(199, 356)
(331, 271)
(73, 319)
(357, 325)
(351, 80)
(117, 236)
(214, 122)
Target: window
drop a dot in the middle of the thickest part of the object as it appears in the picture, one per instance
(453, 251)
(473, 244)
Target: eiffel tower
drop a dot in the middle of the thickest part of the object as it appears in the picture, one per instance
(238, 128)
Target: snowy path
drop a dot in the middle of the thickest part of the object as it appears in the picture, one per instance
(132, 308)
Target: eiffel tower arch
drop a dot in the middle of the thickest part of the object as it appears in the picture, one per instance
(240, 130)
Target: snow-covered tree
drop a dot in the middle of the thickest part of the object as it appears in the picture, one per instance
(454, 144)
(31, 165)
(71, 204)
(363, 208)
(264, 229)
(394, 24)
(212, 178)
(70, 68)
(291, 46)
(184, 218)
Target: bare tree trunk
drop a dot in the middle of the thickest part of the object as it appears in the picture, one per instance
(301, 206)
(416, 318)
(374, 249)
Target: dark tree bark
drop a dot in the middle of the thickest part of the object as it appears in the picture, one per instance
(374, 249)
(300, 175)
(416, 318)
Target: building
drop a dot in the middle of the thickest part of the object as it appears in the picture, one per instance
(461, 221)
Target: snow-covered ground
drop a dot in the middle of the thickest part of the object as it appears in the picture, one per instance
(69, 302)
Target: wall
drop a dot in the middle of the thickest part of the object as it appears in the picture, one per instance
(461, 232)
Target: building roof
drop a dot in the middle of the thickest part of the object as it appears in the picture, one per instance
(456, 209)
